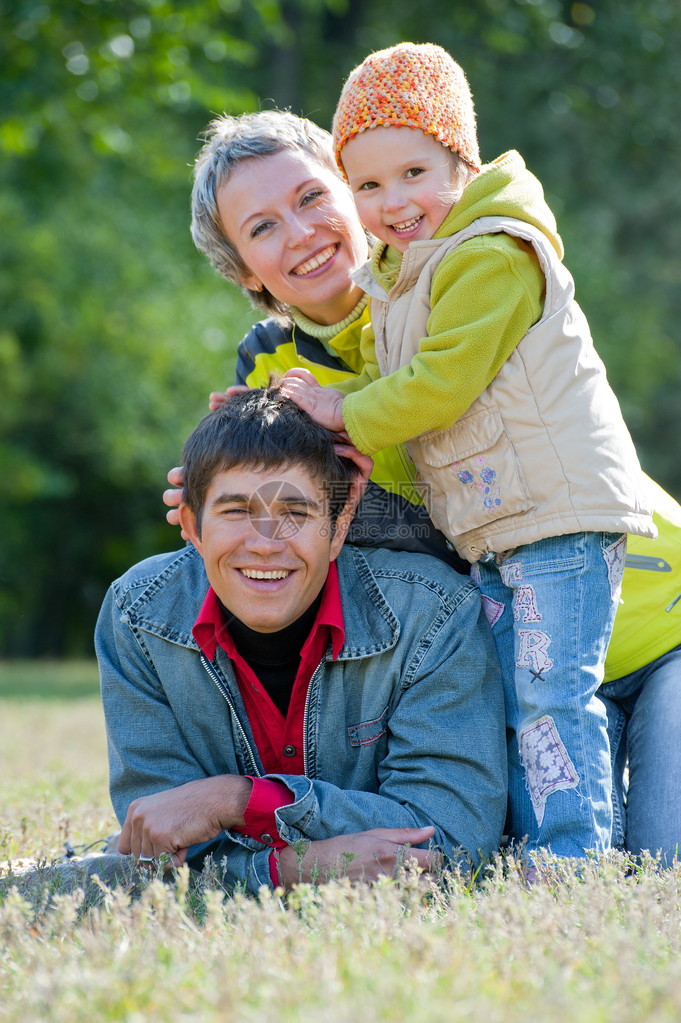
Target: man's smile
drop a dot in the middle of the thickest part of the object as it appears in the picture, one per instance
(258, 573)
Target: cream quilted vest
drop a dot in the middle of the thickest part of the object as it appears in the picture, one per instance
(544, 450)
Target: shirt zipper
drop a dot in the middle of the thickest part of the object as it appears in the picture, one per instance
(307, 704)
(221, 689)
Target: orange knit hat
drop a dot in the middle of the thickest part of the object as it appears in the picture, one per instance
(411, 85)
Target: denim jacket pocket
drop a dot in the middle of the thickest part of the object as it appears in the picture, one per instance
(368, 732)
(471, 473)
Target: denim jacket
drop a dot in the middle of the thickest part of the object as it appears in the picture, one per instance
(404, 729)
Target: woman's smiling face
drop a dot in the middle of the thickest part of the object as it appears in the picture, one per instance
(295, 227)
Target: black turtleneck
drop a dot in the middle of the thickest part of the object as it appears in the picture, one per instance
(274, 656)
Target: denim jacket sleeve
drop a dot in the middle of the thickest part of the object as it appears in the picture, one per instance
(445, 759)
(148, 751)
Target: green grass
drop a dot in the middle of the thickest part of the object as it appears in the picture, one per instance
(603, 947)
(53, 766)
(48, 680)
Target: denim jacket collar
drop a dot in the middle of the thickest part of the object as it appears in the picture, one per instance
(167, 603)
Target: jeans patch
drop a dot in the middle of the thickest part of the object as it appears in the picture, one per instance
(614, 556)
(525, 604)
(486, 483)
(493, 610)
(475, 573)
(511, 573)
(547, 764)
(533, 651)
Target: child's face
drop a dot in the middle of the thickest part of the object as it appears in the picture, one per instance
(401, 180)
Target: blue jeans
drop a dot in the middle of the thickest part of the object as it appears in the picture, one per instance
(644, 725)
(551, 605)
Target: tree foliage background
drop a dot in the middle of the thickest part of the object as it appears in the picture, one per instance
(113, 330)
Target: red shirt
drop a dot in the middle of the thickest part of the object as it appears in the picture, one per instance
(279, 739)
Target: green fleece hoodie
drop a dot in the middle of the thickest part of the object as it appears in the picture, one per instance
(485, 296)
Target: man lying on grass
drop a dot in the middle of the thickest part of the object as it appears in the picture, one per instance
(269, 691)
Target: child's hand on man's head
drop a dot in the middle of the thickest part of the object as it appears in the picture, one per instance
(323, 404)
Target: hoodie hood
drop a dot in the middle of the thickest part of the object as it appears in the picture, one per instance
(503, 188)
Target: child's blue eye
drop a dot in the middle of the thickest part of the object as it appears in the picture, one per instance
(311, 196)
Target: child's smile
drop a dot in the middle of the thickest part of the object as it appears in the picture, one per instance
(408, 227)
(402, 181)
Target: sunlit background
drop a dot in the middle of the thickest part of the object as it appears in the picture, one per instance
(114, 329)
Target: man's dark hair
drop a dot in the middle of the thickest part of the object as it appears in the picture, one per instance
(259, 430)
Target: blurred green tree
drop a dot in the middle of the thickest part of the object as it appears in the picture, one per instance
(113, 331)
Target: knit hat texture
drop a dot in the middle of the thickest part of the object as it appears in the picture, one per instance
(410, 85)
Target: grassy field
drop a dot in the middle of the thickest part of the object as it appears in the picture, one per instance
(601, 948)
(53, 773)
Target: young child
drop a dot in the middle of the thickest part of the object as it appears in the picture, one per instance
(481, 359)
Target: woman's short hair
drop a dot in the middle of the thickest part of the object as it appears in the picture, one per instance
(228, 142)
